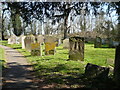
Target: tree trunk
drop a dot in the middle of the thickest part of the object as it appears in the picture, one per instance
(65, 26)
(2, 31)
(117, 66)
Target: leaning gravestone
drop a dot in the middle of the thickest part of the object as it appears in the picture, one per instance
(28, 41)
(66, 44)
(50, 45)
(98, 42)
(35, 49)
(94, 71)
(76, 51)
(23, 42)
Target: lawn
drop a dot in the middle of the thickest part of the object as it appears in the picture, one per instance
(57, 71)
(2, 60)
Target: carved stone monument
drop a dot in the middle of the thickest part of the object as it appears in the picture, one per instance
(76, 51)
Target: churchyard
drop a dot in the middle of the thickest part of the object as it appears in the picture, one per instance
(60, 44)
(59, 72)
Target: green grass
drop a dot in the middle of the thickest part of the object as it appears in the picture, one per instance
(98, 55)
(2, 60)
(58, 69)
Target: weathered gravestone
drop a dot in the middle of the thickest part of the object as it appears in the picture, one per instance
(76, 51)
(98, 42)
(13, 40)
(35, 49)
(110, 61)
(40, 39)
(66, 44)
(23, 42)
(109, 42)
(94, 71)
(20, 39)
(58, 42)
(50, 43)
(28, 41)
(115, 43)
(103, 41)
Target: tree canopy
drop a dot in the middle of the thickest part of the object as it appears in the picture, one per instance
(57, 11)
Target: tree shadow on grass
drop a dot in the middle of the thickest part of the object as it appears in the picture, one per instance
(69, 78)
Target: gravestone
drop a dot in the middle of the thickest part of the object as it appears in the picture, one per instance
(23, 42)
(35, 49)
(110, 42)
(17, 40)
(50, 43)
(94, 71)
(12, 40)
(58, 42)
(20, 39)
(28, 41)
(40, 39)
(98, 42)
(110, 61)
(103, 42)
(66, 43)
(76, 51)
(115, 43)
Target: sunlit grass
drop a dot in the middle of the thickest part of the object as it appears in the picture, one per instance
(2, 59)
(58, 69)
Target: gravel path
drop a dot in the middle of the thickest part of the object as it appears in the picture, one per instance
(19, 73)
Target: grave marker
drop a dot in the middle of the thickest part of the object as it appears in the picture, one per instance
(95, 71)
(28, 41)
(13, 40)
(35, 49)
(23, 42)
(40, 39)
(98, 42)
(50, 43)
(66, 44)
(76, 51)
